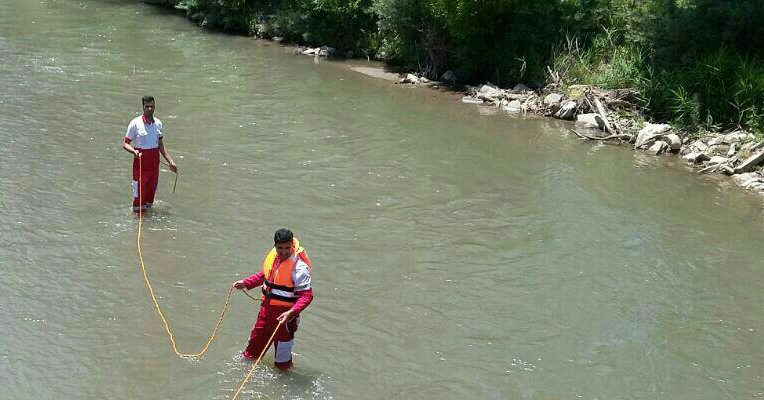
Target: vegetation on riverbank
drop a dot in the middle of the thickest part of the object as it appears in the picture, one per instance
(695, 63)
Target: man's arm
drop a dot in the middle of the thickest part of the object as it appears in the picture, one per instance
(306, 296)
(250, 283)
(166, 155)
(129, 137)
(129, 148)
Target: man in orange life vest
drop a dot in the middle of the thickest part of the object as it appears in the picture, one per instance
(286, 292)
(144, 141)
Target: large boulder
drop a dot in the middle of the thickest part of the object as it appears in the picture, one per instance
(691, 158)
(516, 96)
(716, 160)
(590, 120)
(552, 99)
(717, 150)
(737, 137)
(749, 180)
(745, 150)
(490, 94)
(533, 104)
(714, 139)
(658, 147)
(674, 142)
(752, 161)
(650, 133)
(513, 106)
(567, 111)
(697, 147)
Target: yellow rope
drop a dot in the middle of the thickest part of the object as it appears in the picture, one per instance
(251, 370)
(159, 309)
(151, 289)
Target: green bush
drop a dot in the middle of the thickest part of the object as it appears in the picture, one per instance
(344, 24)
(695, 62)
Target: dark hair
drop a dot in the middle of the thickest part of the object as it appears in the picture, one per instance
(283, 235)
(146, 99)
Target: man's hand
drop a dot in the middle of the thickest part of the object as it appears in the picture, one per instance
(239, 285)
(136, 153)
(173, 167)
(285, 317)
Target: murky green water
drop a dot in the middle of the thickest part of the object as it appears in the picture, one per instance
(457, 255)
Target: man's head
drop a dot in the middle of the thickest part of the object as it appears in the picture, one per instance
(282, 240)
(148, 105)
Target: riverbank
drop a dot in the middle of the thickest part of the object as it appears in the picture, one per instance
(599, 114)
(612, 115)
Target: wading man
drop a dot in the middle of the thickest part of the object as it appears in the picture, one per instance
(144, 141)
(286, 292)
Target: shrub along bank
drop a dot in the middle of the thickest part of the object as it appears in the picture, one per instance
(694, 63)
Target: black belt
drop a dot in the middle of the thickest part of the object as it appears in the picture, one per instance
(279, 297)
(278, 287)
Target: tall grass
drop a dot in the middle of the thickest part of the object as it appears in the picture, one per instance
(716, 89)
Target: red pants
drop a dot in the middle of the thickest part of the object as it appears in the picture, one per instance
(283, 340)
(145, 178)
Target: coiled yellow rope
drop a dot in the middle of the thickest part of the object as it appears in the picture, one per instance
(159, 308)
(151, 289)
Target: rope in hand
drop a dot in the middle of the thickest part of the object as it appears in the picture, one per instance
(151, 289)
(176, 177)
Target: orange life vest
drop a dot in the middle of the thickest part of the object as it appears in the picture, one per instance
(278, 276)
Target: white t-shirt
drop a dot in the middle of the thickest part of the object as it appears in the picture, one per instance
(301, 276)
(143, 135)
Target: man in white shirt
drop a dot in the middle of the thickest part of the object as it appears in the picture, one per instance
(144, 141)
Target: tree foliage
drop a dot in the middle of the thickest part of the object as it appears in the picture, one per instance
(695, 61)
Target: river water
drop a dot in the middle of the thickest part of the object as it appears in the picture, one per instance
(458, 253)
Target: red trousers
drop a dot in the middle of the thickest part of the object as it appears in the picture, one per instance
(283, 340)
(145, 178)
